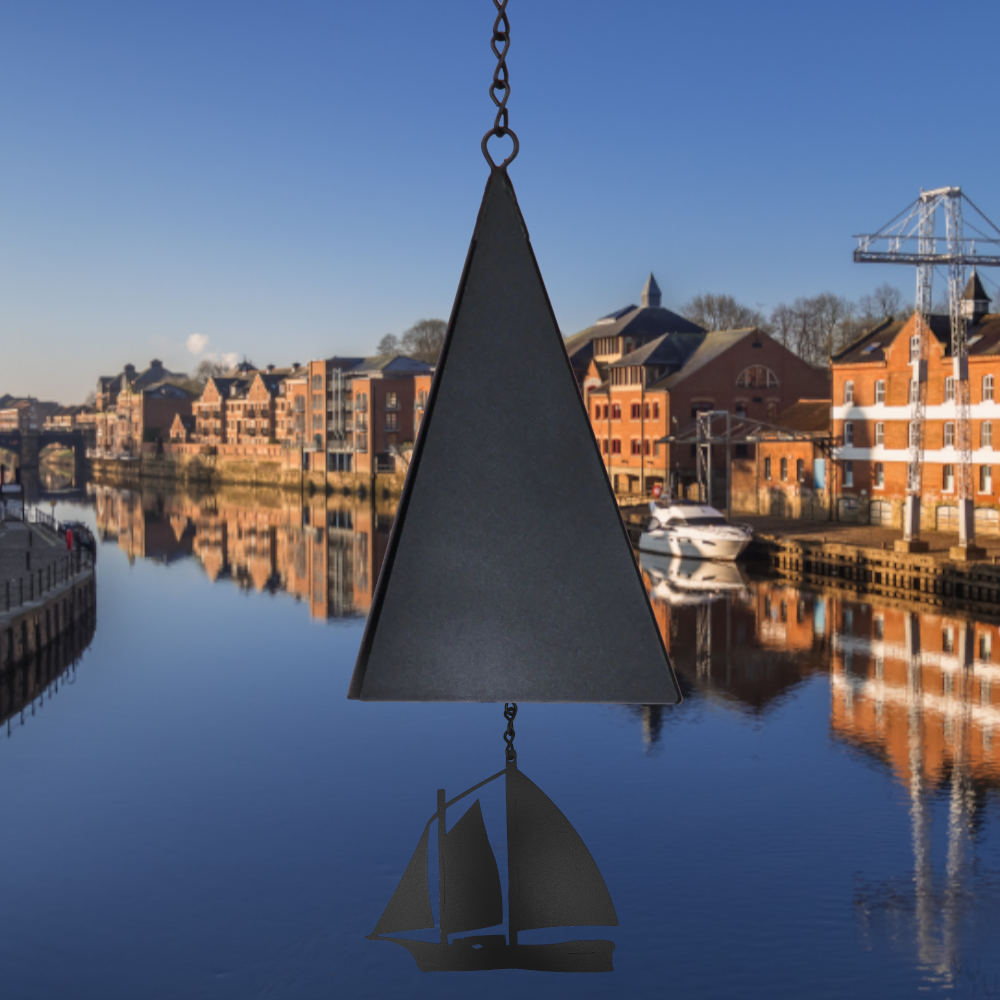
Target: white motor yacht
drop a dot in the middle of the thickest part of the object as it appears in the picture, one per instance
(680, 582)
(692, 531)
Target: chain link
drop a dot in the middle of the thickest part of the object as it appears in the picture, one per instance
(500, 84)
(509, 711)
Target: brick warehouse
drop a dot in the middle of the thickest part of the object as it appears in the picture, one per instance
(871, 419)
(646, 372)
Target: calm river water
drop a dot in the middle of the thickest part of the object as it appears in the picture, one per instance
(202, 813)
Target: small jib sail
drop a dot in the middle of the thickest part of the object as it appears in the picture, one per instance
(472, 896)
(553, 882)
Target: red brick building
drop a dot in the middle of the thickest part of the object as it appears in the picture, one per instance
(383, 410)
(872, 409)
(650, 372)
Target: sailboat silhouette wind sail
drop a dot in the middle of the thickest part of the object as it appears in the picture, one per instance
(553, 881)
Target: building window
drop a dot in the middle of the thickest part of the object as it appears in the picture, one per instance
(986, 434)
(317, 421)
(772, 410)
(616, 411)
(987, 388)
(392, 421)
(915, 347)
(645, 446)
(949, 389)
(986, 479)
(597, 412)
(914, 434)
(741, 407)
(700, 407)
(949, 434)
(849, 434)
(914, 390)
(800, 471)
(783, 464)
(361, 402)
(604, 445)
(948, 479)
(848, 473)
(645, 411)
(756, 377)
(740, 450)
(879, 433)
(616, 446)
(767, 468)
(636, 447)
(391, 401)
(361, 442)
(848, 393)
(879, 475)
(656, 448)
(317, 381)
(656, 411)
(985, 646)
(636, 412)
(880, 391)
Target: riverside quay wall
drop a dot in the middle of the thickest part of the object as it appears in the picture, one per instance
(43, 605)
(241, 465)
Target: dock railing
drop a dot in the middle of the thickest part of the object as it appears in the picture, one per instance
(35, 583)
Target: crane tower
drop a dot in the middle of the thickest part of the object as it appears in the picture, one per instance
(894, 244)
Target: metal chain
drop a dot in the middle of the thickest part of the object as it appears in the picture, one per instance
(509, 711)
(501, 83)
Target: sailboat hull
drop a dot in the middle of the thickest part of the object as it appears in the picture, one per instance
(483, 953)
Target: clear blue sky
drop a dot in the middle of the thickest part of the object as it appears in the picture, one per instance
(294, 179)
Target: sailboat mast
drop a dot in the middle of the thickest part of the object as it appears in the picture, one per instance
(440, 822)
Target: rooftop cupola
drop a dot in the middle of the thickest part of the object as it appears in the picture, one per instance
(975, 301)
(651, 297)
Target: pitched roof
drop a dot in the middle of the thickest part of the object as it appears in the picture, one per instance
(670, 349)
(396, 364)
(974, 289)
(983, 339)
(712, 346)
(808, 415)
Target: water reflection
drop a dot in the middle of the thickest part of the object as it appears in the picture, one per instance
(915, 691)
(24, 684)
(324, 550)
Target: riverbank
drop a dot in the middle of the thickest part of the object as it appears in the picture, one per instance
(861, 560)
(45, 591)
(280, 471)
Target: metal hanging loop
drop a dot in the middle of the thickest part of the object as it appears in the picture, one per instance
(501, 85)
(509, 711)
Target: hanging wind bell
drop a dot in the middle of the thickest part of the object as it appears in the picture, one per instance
(509, 575)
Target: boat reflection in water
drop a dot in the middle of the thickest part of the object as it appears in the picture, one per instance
(552, 882)
(680, 581)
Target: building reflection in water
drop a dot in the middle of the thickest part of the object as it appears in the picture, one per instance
(916, 690)
(324, 550)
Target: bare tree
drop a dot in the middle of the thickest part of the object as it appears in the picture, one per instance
(721, 312)
(207, 369)
(424, 339)
(91, 399)
(389, 344)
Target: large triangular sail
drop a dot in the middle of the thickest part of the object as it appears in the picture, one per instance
(509, 575)
(472, 895)
(553, 879)
(410, 906)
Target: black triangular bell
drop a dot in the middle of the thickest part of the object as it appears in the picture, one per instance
(509, 575)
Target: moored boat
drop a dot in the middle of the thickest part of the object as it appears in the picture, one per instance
(694, 531)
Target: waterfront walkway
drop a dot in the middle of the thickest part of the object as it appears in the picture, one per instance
(861, 535)
(19, 540)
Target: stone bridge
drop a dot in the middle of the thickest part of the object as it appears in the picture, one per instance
(28, 445)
